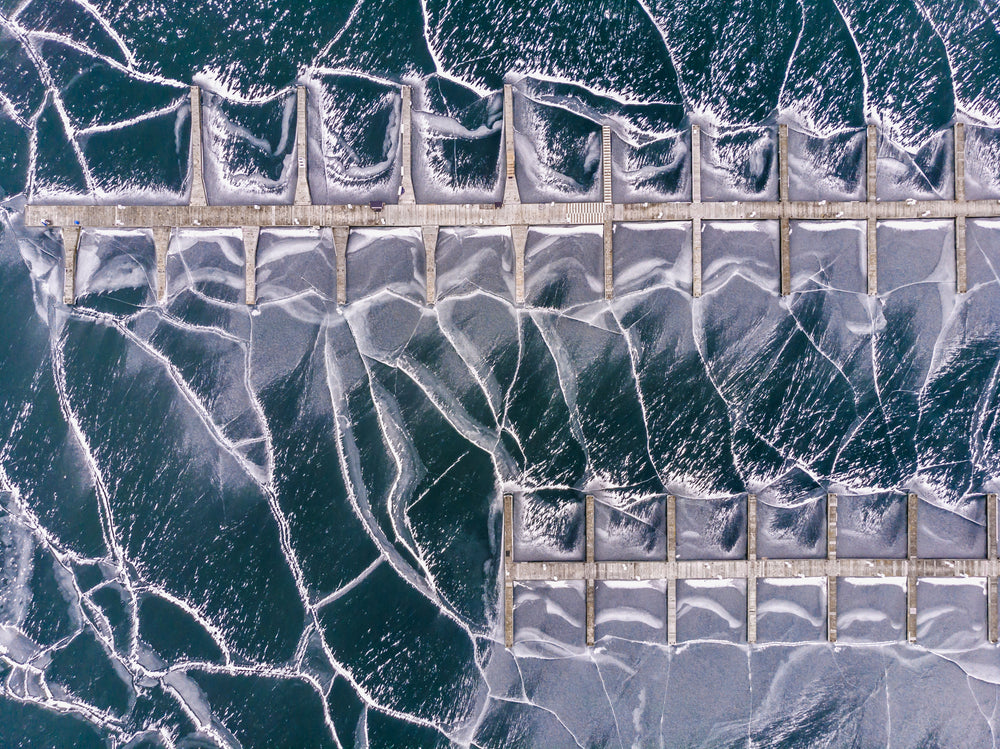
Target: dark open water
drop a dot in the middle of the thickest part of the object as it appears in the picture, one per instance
(280, 527)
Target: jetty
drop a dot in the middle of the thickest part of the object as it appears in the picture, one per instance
(751, 569)
(509, 212)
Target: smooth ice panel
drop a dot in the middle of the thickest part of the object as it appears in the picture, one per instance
(564, 267)
(470, 259)
(386, 260)
(631, 610)
(647, 255)
(550, 616)
(712, 610)
(951, 613)
(871, 609)
(791, 609)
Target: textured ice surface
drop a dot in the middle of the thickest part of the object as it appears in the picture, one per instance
(712, 610)
(791, 609)
(871, 609)
(951, 614)
(631, 610)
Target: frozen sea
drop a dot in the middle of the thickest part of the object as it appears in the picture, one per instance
(280, 526)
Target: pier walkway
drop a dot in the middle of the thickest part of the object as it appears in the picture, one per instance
(752, 568)
(511, 212)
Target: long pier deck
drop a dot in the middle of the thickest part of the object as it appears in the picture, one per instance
(911, 568)
(511, 212)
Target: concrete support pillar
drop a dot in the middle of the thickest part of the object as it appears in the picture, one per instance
(511, 195)
(340, 237)
(197, 172)
(609, 234)
(784, 227)
(872, 235)
(430, 235)
(831, 554)
(71, 243)
(519, 236)
(608, 212)
(871, 163)
(161, 240)
(591, 567)
(302, 195)
(991, 581)
(871, 153)
(696, 256)
(508, 561)
(405, 133)
(671, 557)
(751, 568)
(959, 162)
(250, 236)
(696, 221)
(911, 568)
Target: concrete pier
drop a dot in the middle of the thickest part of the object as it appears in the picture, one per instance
(161, 241)
(250, 236)
(871, 161)
(591, 567)
(832, 568)
(196, 174)
(408, 213)
(696, 217)
(671, 559)
(606, 182)
(519, 236)
(785, 196)
(911, 569)
(511, 195)
(71, 243)
(302, 195)
(993, 624)
(751, 568)
(430, 237)
(508, 563)
(340, 236)
(960, 266)
(831, 555)
(406, 194)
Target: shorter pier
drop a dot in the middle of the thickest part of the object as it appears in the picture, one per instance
(511, 212)
(911, 569)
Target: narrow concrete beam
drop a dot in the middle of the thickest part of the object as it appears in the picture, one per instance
(606, 164)
(871, 163)
(696, 257)
(340, 236)
(250, 236)
(672, 611)
(302, 194)
(590, 534)
(991, 527)
(609, 278)
(406, 194)
(751, 568)
(993, 624)
(430, 235)
(783, 180)
(911, 575)
(695, 164)
(161, 241)
(508, 560)
(831, 526)
(671, 557)
(71, 243)
(519, 236)
(511, 195)
(785, 255)
(961, 274)
(831, 609)
(959, 162)
(872, 245)
(197, 172)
